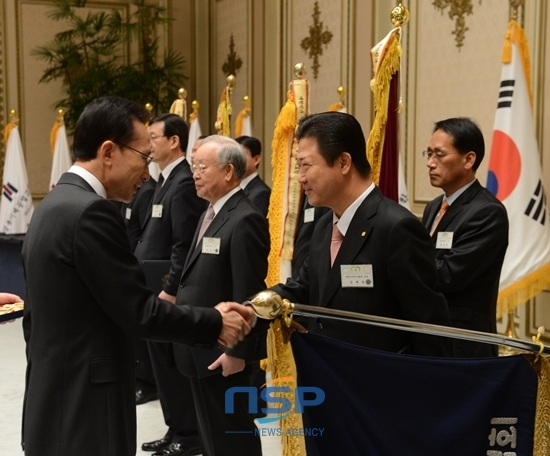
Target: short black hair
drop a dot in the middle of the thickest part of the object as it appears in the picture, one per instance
(253, 144)
(104, 119)
(336, 132)
(174, 125)
(466, 134)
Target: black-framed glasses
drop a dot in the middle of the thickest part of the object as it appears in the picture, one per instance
(148, 157)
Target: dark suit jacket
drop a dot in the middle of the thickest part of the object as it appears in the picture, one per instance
(86, 299)
(169, 237)
(469, 272)
(392, 240)
(259, 193)
(237, 272)
(139, 207)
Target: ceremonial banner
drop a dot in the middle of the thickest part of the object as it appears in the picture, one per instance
(16, 204)
(286, 195)
(243, 123)
(515, 178)
(194, 134)
(61, 154)
(383, 141)
(367, 402)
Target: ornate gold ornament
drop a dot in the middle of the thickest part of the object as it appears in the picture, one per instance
(233, 62)
(458, 9)
(314, 42)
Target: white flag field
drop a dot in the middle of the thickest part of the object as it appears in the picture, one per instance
(61, 156)
(515, 177)
(194, 134)
(16, 204)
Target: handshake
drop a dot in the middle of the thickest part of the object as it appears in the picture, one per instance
(237, 322)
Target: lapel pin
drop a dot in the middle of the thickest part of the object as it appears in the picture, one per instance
(364, 233)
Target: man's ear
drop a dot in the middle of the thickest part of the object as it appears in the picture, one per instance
(106, 151)
(256, 159)
(344, 162)
(230, 169)
(469, 159)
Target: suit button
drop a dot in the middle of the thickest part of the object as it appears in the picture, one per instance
(321, 327)
(181, 285)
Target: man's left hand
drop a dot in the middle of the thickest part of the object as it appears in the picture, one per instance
(229, 364)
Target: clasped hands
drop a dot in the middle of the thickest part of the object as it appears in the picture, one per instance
(237, 321)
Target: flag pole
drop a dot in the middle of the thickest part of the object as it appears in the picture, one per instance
(269, 305)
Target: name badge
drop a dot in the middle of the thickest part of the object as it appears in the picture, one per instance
(157, 211)
(444, 240)
(309, 215)
(211, 245)
(356, 276)
(128, 213)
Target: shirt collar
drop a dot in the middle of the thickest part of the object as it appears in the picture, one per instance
(347, 216)
(90, 179)
(219, 204)
(170, 167)
(451, 199)
(247, 180)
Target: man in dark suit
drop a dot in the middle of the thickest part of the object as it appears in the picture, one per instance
(254, 187)
(368, 255)
(227, 263)
(87, 298)
(469, 229)
(166, 234)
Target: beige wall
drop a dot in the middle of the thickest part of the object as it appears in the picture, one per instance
(438, 79)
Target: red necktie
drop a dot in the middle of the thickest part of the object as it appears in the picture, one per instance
(335, 243)
(444, 207)
(208, 217)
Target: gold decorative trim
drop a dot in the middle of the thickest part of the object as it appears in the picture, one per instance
(458, 9)
(233, 62)
(314, 42)
(2, 91)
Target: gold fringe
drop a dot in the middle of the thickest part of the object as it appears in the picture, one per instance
(516, 34)
(381, 88)
(335, 107)
(541, 444)
(523, 290)
(222, 121)
(283, 134)
(243, 114)
(8, 129)
(281, 365)
(53, 134)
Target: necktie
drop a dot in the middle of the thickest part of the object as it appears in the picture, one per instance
(335, 243)
(208, 217)
(159, 186)
(444, 207)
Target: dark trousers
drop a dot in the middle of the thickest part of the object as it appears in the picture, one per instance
(145, 377)
(224, 434)
(176, 398)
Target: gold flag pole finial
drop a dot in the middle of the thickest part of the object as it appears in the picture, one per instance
(399, 15)
(231, 83)
(341, 93)
(515, 5)
(182, 94)
(300, 70)
(60, 115)
(13, 116)
(149, 109)
(246, 101)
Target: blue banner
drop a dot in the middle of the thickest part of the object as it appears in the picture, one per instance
(379, 403)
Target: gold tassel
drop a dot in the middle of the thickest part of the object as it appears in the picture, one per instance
(284, 130)
(243, 114)
(335, 107)
(222, 120)
(53, 134)
(541, 444)
(8, 129)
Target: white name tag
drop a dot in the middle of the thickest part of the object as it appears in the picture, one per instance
(309, 215)
(157, 211)
(444, 240)
(356, 276)
(128, 213)
(211, 245)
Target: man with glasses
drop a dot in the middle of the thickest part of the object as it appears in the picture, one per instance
(469, 229)
(87, 298)
(228, 262)
(166, 235)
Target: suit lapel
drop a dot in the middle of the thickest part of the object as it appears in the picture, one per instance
(456, 207)
(219, 221)
(358, 232)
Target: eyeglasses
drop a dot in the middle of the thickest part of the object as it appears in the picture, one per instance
(147, 156)
(200, 167)
(437, 155)
(153, 137)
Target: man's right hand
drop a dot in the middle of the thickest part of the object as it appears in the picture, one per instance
(235, 324)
